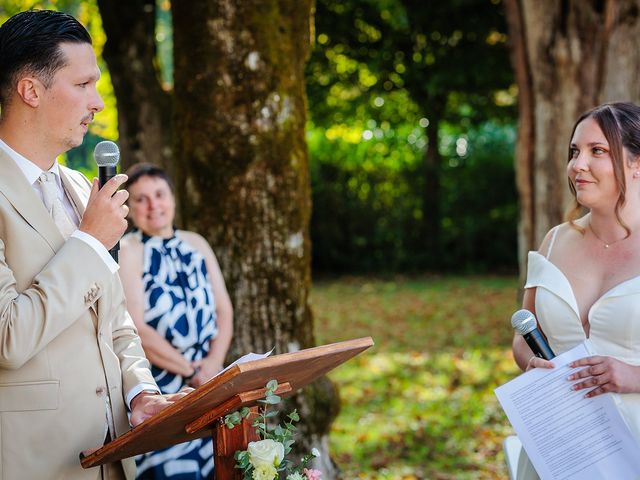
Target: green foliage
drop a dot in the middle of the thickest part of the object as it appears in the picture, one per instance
(282, 434)
(164, 42)
(367, 190)
(234, 419)
(442, 53)
(479, 208)
(420, 404)
(277, 433)
(382, 75)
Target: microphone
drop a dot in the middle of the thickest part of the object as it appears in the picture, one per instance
(107, 156)
(524, 323)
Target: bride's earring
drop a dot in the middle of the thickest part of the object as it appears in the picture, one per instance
(636, 174)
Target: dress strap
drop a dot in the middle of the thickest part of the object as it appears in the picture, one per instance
(554, 232)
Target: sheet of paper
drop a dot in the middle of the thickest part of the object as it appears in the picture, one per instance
(567, 436)
(249, 357)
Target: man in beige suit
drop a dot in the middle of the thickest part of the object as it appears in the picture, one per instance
(71, 363)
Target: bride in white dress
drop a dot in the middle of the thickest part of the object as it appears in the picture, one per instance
(584, 282)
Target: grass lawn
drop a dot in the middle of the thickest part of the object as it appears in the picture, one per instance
(420, 404)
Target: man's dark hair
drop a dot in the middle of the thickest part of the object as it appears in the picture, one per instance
(30, 44)
(139, 170)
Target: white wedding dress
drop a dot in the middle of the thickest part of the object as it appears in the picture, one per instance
(614, 321)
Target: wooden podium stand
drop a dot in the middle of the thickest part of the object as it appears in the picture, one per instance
(200, 413)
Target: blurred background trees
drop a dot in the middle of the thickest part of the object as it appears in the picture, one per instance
(405, 150)
(412, 112)
(410, 130)
(144, 106)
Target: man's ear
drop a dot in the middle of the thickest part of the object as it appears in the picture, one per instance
(30, 91)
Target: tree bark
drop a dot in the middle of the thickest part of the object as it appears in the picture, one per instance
(569, 56)
(431, 201)
(243, 175)
(144, 108)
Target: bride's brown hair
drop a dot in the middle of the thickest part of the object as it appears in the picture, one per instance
(620, 124)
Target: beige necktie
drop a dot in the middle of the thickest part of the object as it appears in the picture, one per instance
(54, 205)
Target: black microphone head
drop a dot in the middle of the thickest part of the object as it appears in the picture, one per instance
(523, 321)
(106, 154)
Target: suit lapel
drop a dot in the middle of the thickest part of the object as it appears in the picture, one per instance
(78, 196)
(14, 186)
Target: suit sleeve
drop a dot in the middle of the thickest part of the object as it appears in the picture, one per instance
(127, 345)
(57, 297)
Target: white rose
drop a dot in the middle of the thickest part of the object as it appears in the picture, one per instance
(265, 452)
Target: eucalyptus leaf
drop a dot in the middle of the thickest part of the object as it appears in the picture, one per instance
(272, 385)
(272, 399)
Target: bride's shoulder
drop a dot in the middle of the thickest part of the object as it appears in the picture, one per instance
(561, 234)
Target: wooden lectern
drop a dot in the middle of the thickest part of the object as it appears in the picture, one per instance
(200, 413)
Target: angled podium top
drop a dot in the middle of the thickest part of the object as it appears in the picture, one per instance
(168, 427)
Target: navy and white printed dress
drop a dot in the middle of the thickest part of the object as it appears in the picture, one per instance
(179, 304)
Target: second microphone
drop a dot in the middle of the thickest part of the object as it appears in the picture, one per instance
(524, 323)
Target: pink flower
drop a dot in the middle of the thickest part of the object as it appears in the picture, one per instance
(312, 474)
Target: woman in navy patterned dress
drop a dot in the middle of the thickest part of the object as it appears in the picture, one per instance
(179, 303)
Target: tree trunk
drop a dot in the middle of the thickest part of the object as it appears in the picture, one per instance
(144, 109)
(432, 168)
(243, 170)
(569, 56)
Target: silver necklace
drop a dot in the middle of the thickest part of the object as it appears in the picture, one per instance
(606, 244)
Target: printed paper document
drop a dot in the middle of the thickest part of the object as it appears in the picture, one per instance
(568, 436)
(249, 357)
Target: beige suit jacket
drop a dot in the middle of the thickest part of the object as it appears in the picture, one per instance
(68, 347)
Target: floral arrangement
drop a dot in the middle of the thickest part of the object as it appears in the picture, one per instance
(267, 459)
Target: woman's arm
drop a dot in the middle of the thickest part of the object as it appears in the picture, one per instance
(157, 349)
(213, 363)
(522, 354)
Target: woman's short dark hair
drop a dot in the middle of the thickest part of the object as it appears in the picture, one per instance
(139, 170)
(30, 44)
(620, 124)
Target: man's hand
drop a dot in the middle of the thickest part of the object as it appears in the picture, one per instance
(148, 404)
(105, 215)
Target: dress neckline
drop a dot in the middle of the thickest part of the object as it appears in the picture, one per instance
(156, 238)
(574, 306)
